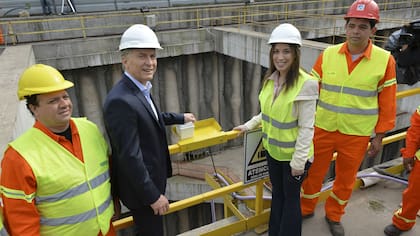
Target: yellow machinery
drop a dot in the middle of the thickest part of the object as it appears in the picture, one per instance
(206, 133)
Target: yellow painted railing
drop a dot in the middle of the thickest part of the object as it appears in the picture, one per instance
(261, 214)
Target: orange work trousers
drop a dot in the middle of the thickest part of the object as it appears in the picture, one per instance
(351, 151)
(405, 217)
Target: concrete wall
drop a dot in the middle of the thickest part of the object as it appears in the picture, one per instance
(211, 72)
(14, 117)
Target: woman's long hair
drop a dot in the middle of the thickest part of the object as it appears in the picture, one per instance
(293, 73)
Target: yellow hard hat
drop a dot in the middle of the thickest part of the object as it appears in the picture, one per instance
(40, 78)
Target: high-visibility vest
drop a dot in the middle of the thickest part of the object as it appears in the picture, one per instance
(349, 102)
(73, 198)
(279, 126)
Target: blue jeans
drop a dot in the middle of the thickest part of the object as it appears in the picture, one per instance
(285, 216)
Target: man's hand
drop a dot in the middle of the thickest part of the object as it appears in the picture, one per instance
(408, 163)
(375, 145)
(189, 117)
(161, 206)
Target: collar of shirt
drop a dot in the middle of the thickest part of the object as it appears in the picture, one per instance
(52, 135)
(146, 92)
(144, 89)
(278, 83)
(366, 53)
(74, 147)
(276, 78)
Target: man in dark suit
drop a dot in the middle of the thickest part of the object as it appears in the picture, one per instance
(136, 128)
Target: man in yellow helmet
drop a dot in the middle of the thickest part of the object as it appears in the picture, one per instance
(55, 177)
(357, 99)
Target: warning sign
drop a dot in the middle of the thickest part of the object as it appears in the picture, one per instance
(255, 157)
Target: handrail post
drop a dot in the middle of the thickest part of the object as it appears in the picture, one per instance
(259, 187)
(82, 24)
(11, 33)
(198, 18)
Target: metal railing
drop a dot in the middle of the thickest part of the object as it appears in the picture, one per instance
(82, 26)
(261, 215)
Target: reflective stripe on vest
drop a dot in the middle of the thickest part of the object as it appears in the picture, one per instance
(73, 198)
(17, 194)
(348, 102)
(280, 129)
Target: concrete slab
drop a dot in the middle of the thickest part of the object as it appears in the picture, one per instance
(368, 212)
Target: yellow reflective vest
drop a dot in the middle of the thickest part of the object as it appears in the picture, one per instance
(349, 102)
(279, 126)
(73, 198)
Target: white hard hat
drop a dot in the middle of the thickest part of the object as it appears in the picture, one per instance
(285, 33)
(139, 36)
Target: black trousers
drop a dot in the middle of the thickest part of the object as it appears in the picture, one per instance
(146, 222)
(285, 216)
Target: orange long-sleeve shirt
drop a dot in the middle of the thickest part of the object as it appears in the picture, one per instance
(22, 218)
(412, 140)
(387, 103)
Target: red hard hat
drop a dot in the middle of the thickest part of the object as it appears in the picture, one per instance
(365, 9)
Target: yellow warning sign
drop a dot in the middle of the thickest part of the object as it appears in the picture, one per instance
(256, 166)
(259, 154)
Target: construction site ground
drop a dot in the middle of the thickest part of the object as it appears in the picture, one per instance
(367, 213)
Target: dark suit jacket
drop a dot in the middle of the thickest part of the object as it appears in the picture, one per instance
(140, 157)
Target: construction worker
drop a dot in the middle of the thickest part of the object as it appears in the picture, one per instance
(357, 98)
(405, 217)
(1, 37)
(136, 129)
(288, 101)
(55, 177)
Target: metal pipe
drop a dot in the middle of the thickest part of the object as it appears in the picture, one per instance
(213, 211)
(237, 196)
(373, 174)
